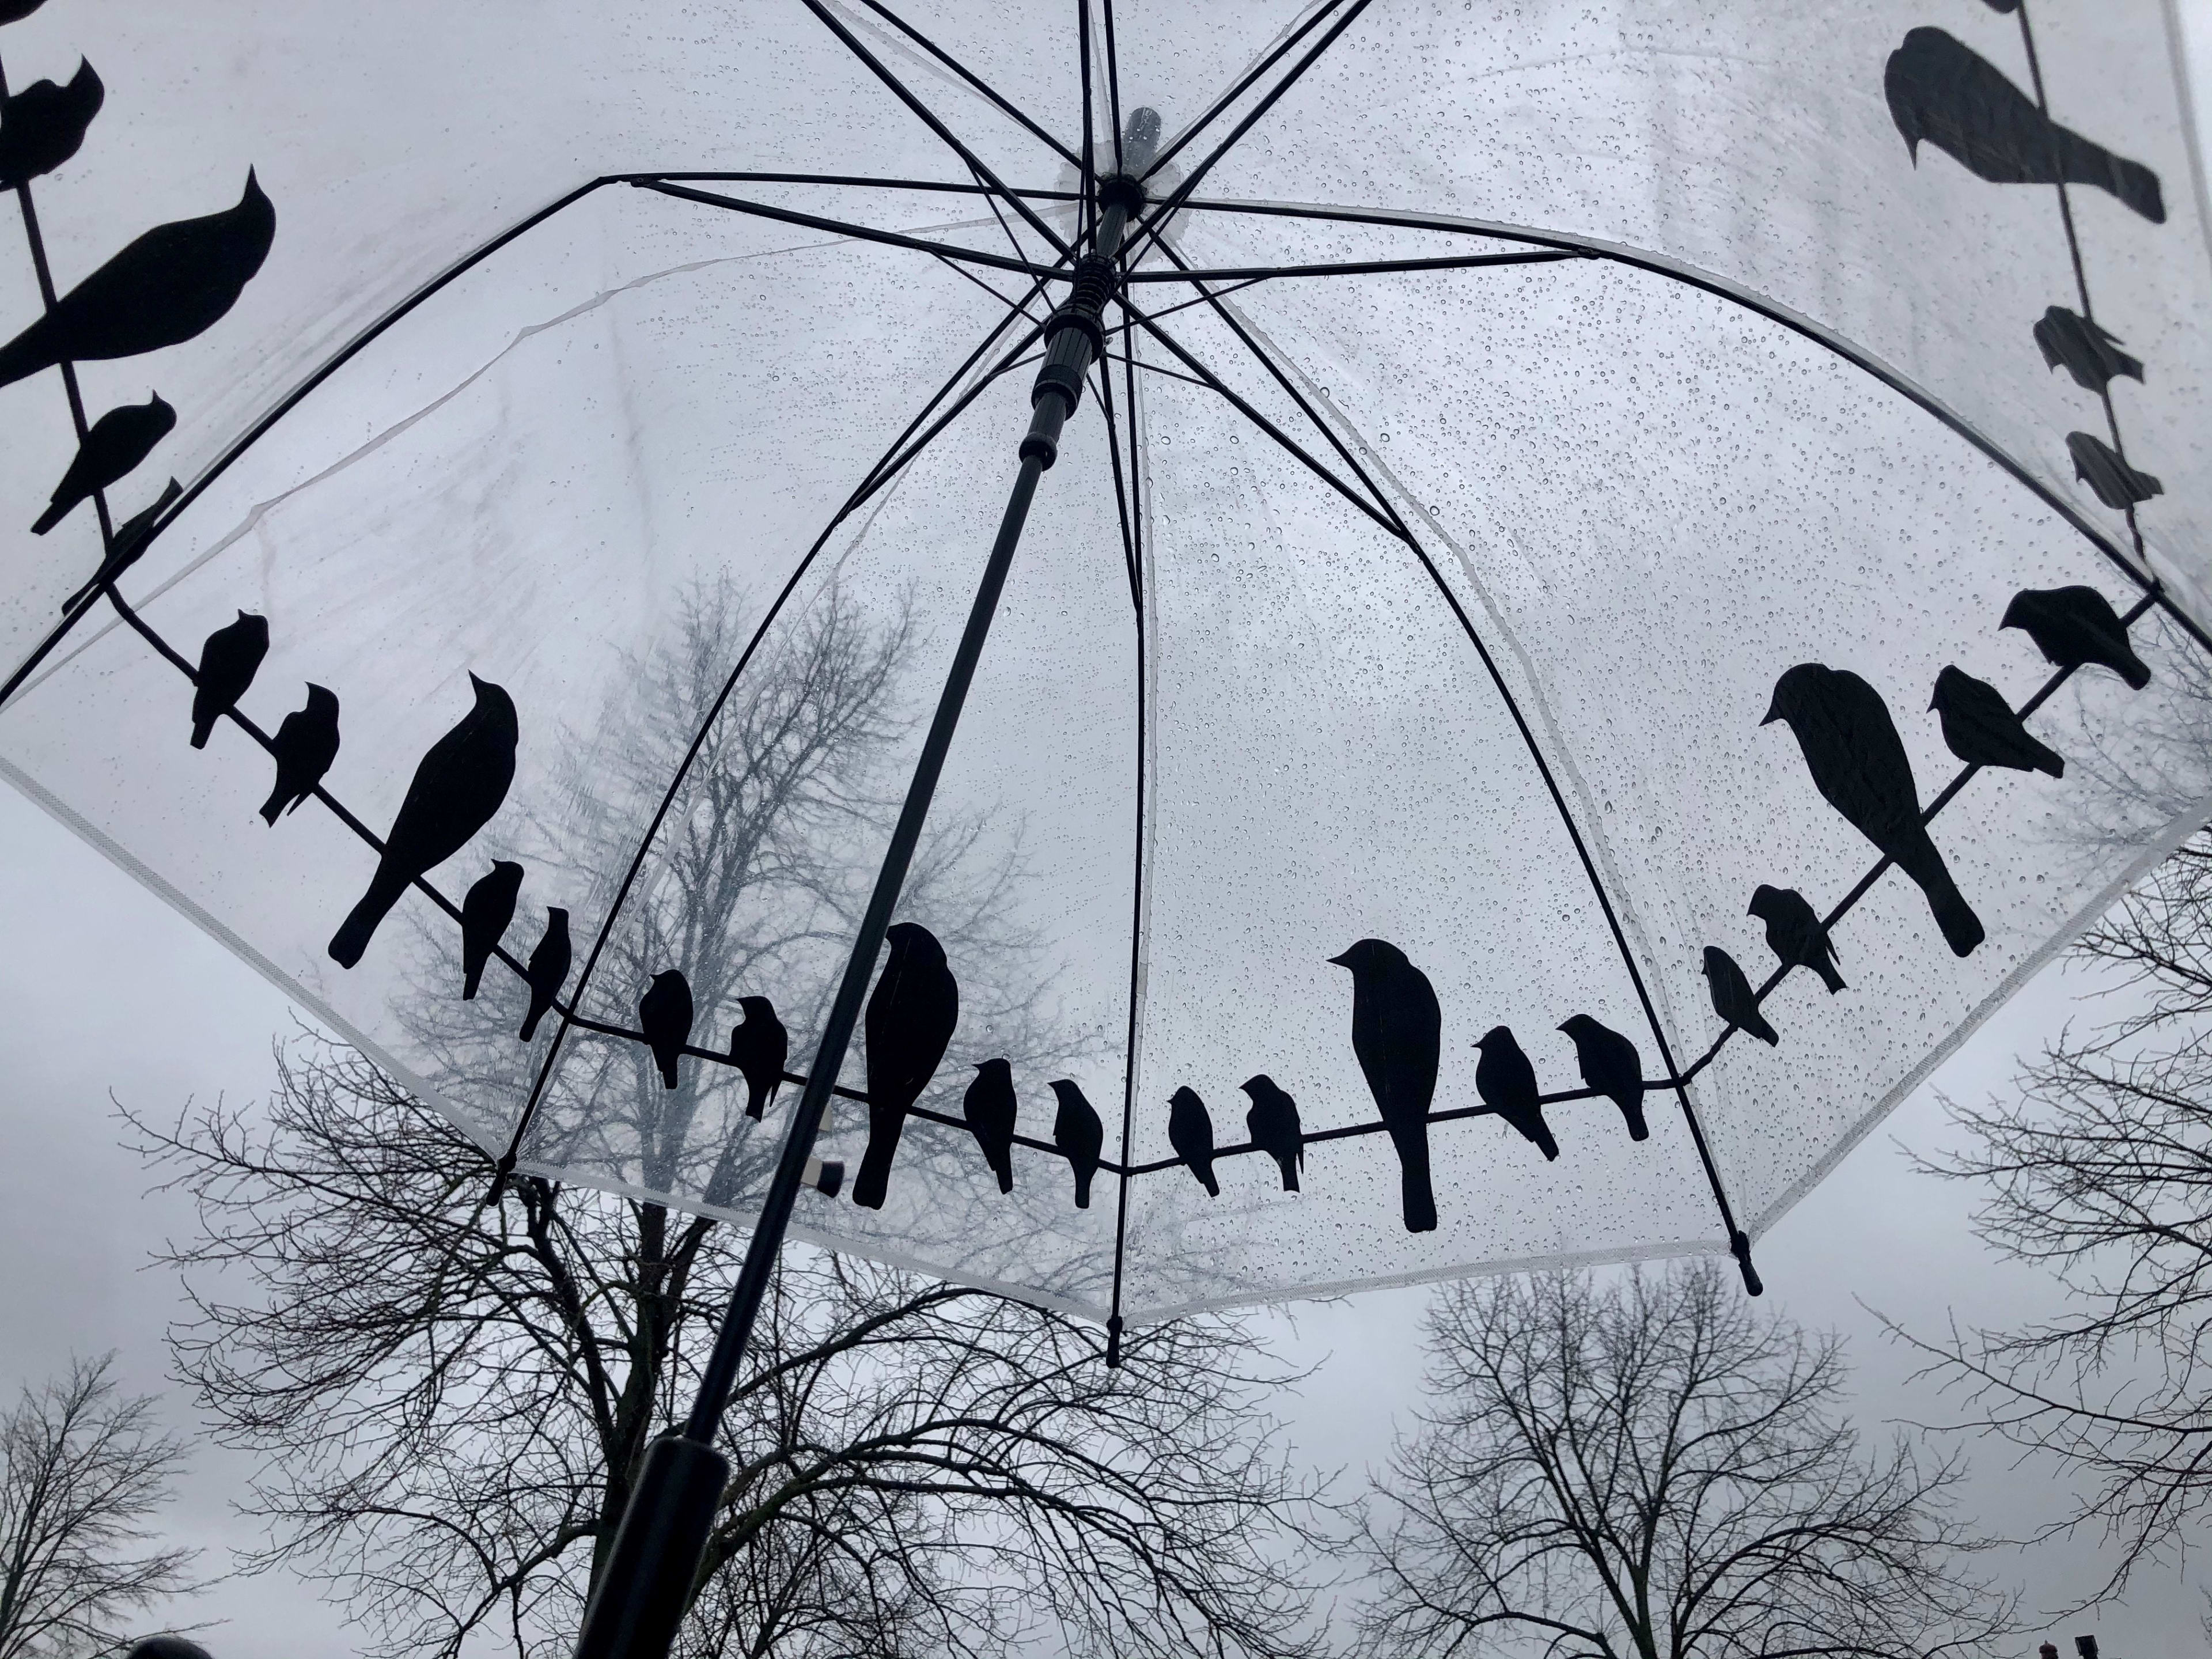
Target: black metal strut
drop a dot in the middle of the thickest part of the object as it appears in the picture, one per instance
(654, 1567)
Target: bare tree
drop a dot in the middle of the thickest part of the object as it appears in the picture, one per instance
(2099, 1168)
(82, 1470)
(454, 1397)
(1650, 1466)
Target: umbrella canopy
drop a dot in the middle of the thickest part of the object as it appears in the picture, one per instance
(1620, 579)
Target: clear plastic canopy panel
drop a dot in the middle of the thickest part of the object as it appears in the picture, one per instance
(1548, 527)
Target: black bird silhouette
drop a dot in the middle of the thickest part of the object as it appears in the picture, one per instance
(1397, 1032)
(130, 539)
(1858, 763)
(910, 1020)
(229, 659)
(15, 11)
(147, 1647)
(1273, 1123)
(1612, 1066)
(306, 744)
(761, 1048)
(990, 1108)
(486, 910)
(1080, 1135)
(42, 126)
(1941, 91)
(118, 441)
(1733, 1000)
(459, 783)
(665, 1014)
(1981, 729)
(1507, 1083)
(1794, 932)
(548, 971)
(2116, 483)
(2075, 626)
(2084, 348)
(1190, 1132)
(172, 283)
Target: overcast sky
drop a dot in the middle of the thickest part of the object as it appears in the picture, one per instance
(104, 988)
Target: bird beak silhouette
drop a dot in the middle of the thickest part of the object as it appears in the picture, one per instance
(1773, 710)
(1343, 961)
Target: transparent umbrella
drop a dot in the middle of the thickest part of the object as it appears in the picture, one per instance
(1585, 589)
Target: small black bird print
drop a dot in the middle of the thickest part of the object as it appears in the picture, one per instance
(1733, 1000)
(131, 536)
(761, 1048)
(458, 786)
(1941, 91)
(2084, 348)
(910, 1019)
(1858, 763)
(548, 971)
(116, 442)
(15, 11)
(1794, 932)
(43, 126)
(172, 283)
(306, 744)
(229, 661)
(1273, 1123)
(1080, 1135)
(2075, 626)
(1507, 1083)
(1397, 1033)
(1981, 729)
(486, 910)
(2116, 483)
(665, 1014)
(1190, 1132)
(1612, 1066)
(989, 1106)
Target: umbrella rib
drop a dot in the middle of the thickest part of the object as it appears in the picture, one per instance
(1248, 274)
(1003, 104)
(1797, 323)
(1213, 383)
(1679, 1081)
(1157, 220)
(1244, 84)
(1950, 791)
(1113, 78)
(1086, 210)
(895, 459)
(905, 95)
(845, 228)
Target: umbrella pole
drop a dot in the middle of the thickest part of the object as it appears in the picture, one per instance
(650, 1574)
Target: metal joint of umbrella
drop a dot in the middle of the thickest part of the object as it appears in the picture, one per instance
(641, 1595)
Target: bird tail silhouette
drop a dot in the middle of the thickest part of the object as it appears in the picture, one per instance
(1083, 1188)
(1540, 1133)
(273, 808)
(667, 1063)
(1918, 858)
(1829, 976)
(1205, 1173)
(756, 1096)
(872, 1184)
(471, 976)
(55, 512)
(2132, 183)
(203, 728)
(27, 353)
(537, 1011)
(1003, 1167)
(1290, 1163)
(1415, 1195)
(1638, 1128)
(354, 931)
